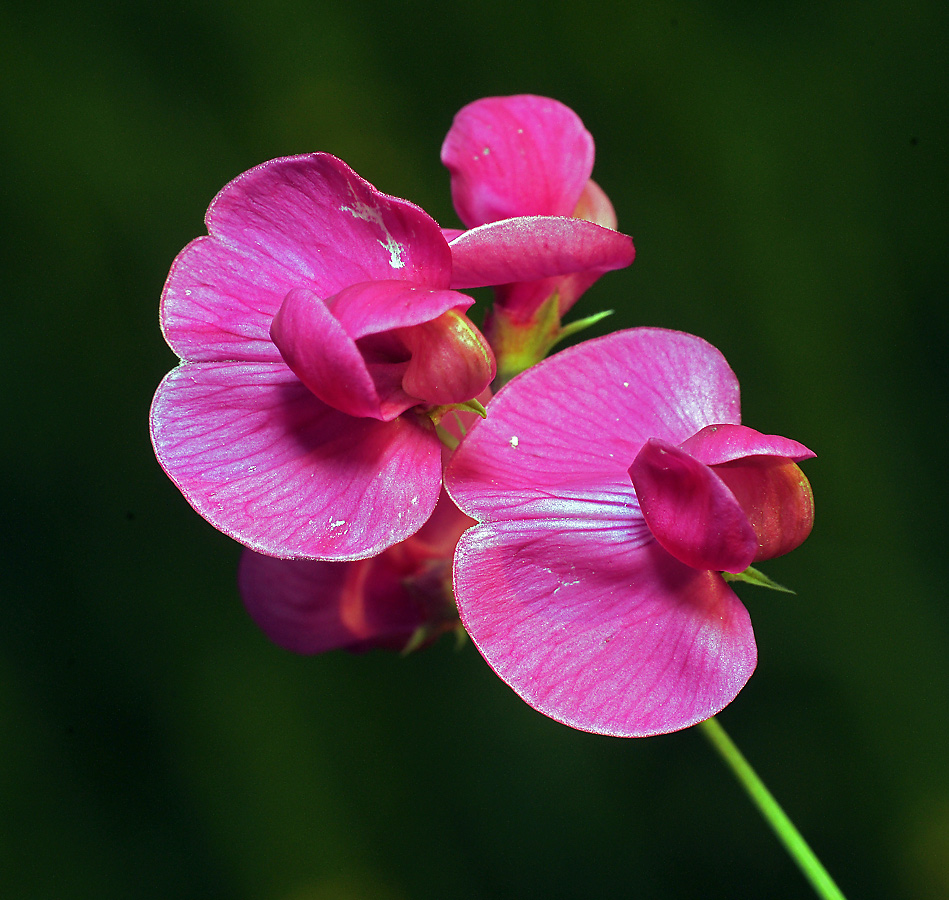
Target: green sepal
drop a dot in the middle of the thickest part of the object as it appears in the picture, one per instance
(418, 638)
(753, 576)
(574, 327)
(473, 405)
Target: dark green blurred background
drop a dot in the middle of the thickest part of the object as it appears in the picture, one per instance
(783, 170)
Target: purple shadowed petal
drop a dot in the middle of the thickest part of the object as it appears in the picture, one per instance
(532, 247)
(690, 511)
(270, 465)
(599, 631)
(716, 444)
(516, 156)
(581, 416)
(311, 606)
(298, 222)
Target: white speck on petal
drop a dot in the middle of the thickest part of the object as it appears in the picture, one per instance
(486, 151)
(625, 384)
(415, 501)
(337, 524)
(514, 440)
(395, 252)
(360, 210)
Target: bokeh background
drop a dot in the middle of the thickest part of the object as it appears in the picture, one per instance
(783, 170)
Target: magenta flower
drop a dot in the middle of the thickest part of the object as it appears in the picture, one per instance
(401, 598)
(524, 163)
(317, 332)
(613, 485)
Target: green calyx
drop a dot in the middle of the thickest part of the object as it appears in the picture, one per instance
(753, 576)
(518, 345)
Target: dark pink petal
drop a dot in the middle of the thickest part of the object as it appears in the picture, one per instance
(690, 511)
(325, 358)
(378, 306)
(516, 156)
(599, 631)
(451, 360)
(721, 443)
(320, 343)
(298, 222)
(777, 499)
(581, 416)
(532, 247)
(270, 465)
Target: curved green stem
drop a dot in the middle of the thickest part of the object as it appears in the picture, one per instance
(782, 826)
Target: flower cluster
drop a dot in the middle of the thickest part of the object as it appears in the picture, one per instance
(333, 412)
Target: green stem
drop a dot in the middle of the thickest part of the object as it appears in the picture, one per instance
(769, 808)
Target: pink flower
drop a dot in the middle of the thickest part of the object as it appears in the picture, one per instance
(317, 331)
(614, 484)
(399, 599)
(523, 163)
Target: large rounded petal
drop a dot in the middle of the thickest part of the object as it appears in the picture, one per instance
(516, 156)
(581, 416)
(529, 248)
(599, 628)
(270, 465)
(690, 510)
(297, 222)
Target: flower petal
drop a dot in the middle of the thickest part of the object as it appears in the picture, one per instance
(595, 206)
(296, 222)
(533, 247)
(270, 465)
(314, 344)
(721, 443)
(318, 341)
(690, 511)
(451, 360)
(600, 632)
(580, 417)
(378, 306)
(310, 606)
(516, 156)
(777, 499)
